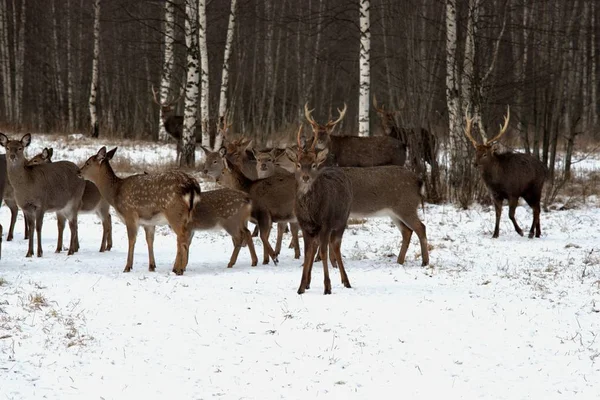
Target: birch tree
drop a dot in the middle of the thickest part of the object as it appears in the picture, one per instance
(204, 95)
(365, 69)
(225, 73)
(94, 86)
(5, 62)
(167, 70)
(191, 90)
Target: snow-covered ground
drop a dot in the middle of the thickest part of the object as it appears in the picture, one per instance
(507, 318)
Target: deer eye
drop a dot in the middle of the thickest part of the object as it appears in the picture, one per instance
(215, 161)
(314, 166)
(298, 166)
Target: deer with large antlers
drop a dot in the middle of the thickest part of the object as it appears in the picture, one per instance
(509, 176)
(173, 123)
(322, 206)
(355, 151)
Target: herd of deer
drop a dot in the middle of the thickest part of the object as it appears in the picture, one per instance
(315, 185)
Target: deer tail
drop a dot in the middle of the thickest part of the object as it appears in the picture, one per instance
(191, 195)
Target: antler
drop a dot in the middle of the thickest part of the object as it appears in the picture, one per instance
(342, 113)
(469, 122)
(309, 117)
(168, 103)
(299, 138)
(223, 125)
(378, 109)
(502, 127)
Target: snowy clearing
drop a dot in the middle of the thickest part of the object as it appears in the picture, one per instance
(507, 318)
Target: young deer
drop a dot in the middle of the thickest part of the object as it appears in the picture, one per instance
(355, 151)
(230, 210)
(43, 188)
(509, 176)
(91, 202)
(392, 191)
(323, 199)
(147, 200)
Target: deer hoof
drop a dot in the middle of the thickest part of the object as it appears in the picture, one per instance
(327, 291)
(127, 269)
(178, 272)
(29, 254)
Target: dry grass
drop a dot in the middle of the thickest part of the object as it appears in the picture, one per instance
(37, 301)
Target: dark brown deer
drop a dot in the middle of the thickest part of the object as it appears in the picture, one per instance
(355, 151)
(421, 143)
(92, 202)
(230, 210)
(173, 123)
(166, 198)
(43, 188)
(322, 207)
(509, 176)
(392, 191)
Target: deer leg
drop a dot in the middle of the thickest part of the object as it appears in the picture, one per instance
(238, 240)
(60, 223)
(251, 248)
(309, 256)
(264, 224)
(132, 229)
(150, 229)
(336, 244)
(74, 244)
(108, 222)
(280, 230)
(498, 208)
(13, 219)
(30, 220)
(323, 248)
(406, 235)
(534, 203)
(512, 205)
(295, 242)
(39, 220)
(255, 231)
(183, 247)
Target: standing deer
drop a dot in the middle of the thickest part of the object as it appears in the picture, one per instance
(147, 200)
(3, 179)
(322, 207)
(173, 123)
(509, 176)
(230, 210)
(91, 202)
(355, 151)
(43, 188)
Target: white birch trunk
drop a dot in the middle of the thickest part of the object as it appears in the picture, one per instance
(452, 93)
(167, 70)
(192, 81)
(469, 94)
(365, 69)
(94, 86)
(19, 45)
(225, 73)
(71, 114)
(204, 95)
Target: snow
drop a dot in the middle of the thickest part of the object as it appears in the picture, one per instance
(506, 318)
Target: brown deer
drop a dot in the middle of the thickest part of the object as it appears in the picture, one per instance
(173, 123)
(421, 142)
(509, 176)
(230, 210)
(392, 191)
(43, 188)
(147, 200)
(91, 202)
(272, 198)
(322, 207)
(355, 151)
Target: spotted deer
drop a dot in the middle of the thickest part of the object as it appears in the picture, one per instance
(43, 188)
(322, 207)
(148, 200)
(509, 176)
(230, 210)
(91, 202)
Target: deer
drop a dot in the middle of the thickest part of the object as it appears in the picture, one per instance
(173, 123)
(355, 151)
(3, 181)
(91, 202)
(272, 198)
(43, 188)
(230, 210)
(322, 207)
(391, 191)
(423, 144)
(166, 198)
(509, 176)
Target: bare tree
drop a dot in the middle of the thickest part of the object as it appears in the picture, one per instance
(365, 68)
(94, 126)
(204, 77)
(167, 70)
(191, 93)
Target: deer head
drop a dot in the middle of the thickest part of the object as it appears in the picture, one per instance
(484, 152)
(307, 162)
(322, 132)
(166, 106)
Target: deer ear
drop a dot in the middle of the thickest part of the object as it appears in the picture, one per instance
(291, 154)
(46, 154)
(222, 151)
(111, 154)
(101, 155)
(3, 139)
(50, 152)
(26, 140)
(322, 156)
(205, 150)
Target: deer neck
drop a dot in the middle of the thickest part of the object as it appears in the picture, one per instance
(17, 171)
(108, 183)
(234, 178)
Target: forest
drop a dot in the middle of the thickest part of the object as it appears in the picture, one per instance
(101, 66)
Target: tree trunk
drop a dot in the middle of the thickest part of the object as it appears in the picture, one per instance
(191, 94)
(5, 63)
(94, 86)
(593, 68)
(167, 70)
(57, 65)
(70, 112)
(19, 45)
(365, 69)
(204, 78)
(225, 73)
